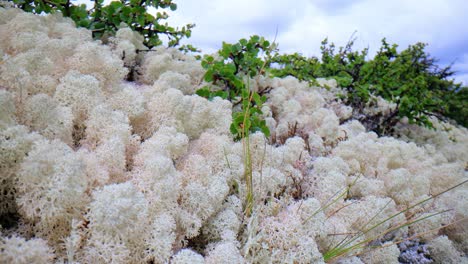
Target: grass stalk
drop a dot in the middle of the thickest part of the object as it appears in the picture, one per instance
(249, 199)
(332, 201)
(345, 246)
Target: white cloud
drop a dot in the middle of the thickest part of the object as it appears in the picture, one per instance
(229, 21)
(403, 22)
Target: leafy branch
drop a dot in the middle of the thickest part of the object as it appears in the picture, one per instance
(237, 63)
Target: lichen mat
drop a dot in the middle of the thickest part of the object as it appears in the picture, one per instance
(95, 169)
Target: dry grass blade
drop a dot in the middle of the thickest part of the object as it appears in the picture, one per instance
(345, 246)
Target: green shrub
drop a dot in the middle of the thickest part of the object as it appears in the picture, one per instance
(410, 79)
(457, 102)
(303, 68)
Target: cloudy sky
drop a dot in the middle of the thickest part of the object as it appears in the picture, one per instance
(302, 24)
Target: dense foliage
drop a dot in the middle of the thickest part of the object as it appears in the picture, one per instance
(457, 102)
(105, 20)
(411, 79)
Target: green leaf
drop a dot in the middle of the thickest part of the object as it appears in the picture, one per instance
(209, 59)
(208, 77)
(222, 94)
(203, 92)
(257, 99)
(265, 130)
(233, 129)
(254, 39)
(238, 118)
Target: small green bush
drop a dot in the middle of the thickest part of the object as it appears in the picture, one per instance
(232, 71)
(237, 63)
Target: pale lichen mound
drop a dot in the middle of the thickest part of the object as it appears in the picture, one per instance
(16, 250)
